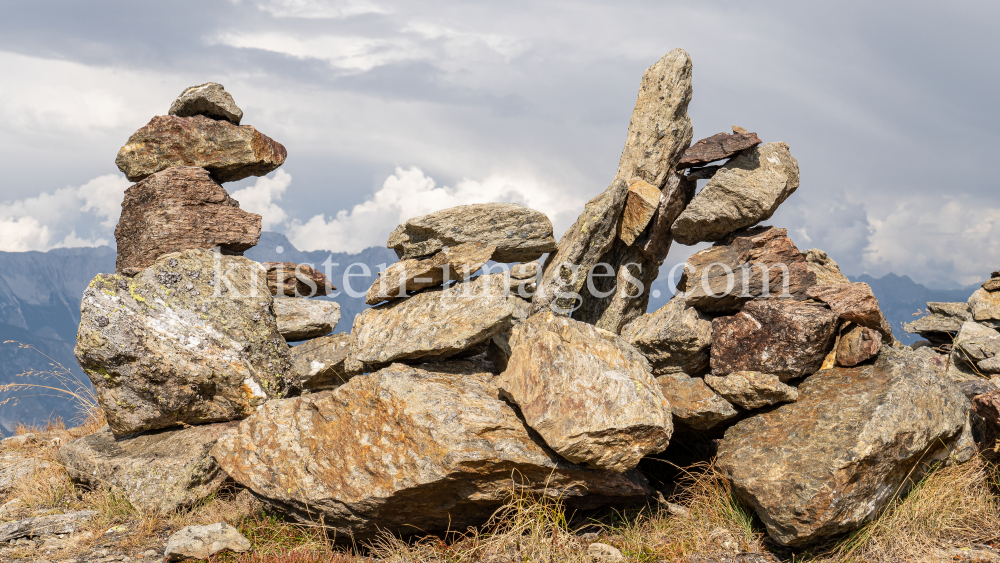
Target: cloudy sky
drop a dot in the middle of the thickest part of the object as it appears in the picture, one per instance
(394, 109)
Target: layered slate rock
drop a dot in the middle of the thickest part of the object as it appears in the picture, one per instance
(826, 270)
(52, 524)
(640, 206)
(320, 362)
(229, 152)
(519, 233)
(675, 338)
(435, 450)
(857, 344)
(677, 193)
(941, 322)
(178, 209)
(296, 280)
(456, 263)
(560, 368)
(658, 134)
(826, 464)
(752, 389)
(693, 403)
(856, 303)
(157, 472)
(751, 263)
(435, 323)
(302, 319)
(782, 337)
(977, 346)
(190, 340)
(985, 305)
(745, 191)
(717, 147)
(209, 99)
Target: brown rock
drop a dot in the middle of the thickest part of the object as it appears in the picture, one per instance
(229, 152)
(296, 280)
(827, 271)
(320, 362)
(731, 272)
(640, 206)
(717, 147)
(179, 209)
(778, 336)
(694, 403)
(985, 305)
(991, 284)
(858, 344)
(855, 303)
(405, 450)
(987, 405)
(458, 262)
(752, 389)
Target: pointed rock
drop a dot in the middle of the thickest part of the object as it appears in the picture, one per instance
(455, 263)
(209, 99)
(826, 270)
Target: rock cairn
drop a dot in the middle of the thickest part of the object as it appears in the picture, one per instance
(471, 376)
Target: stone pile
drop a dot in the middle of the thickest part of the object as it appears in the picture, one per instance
(472, 377)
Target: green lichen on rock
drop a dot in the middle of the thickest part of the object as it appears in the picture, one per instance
(191, 339)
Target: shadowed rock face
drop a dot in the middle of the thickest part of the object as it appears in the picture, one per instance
(435, 448)
(857, 344)
(829, 462)
(178, 209)
(191, 339)
(229, 152)
(694, 403)
(159, 471)
(560, 368)
(296, 280)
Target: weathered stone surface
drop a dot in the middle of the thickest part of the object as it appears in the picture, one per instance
(721, 278)
(640, 206)
(519, 233)
(857, 344)
(229, 152)
(985, 305)
(658, 134)
(977, 346)
(693, 403)
(604, 553)
(302, 319)
(435, 323)
(856, 303)
(987, 405)
(560, 368)
(321, 361)
(45, 525)
(782, 337)
(209, 99)
(991, 284)
(296, 280)
(524, 271)
(435, 449)
(745, 191)
(829, 462)
(178, 209)
(826, 270)
(942, 318)
(752, 389)
(498, 351)
(677, 193)
(675, 338)
(202, 542)
(13, 509)
(974, 388)
(191, 339)
(158, 472)
(717, 147)
(458, 262)
(16, 468)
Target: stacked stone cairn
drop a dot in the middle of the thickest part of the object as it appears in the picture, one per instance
(458, 387)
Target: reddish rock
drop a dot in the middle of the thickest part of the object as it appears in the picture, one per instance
(229, 152)
(717, 147)
(296, 280)
(783, 337)
(858, 344)
(856, 303)
(180, 209)
(987, 405)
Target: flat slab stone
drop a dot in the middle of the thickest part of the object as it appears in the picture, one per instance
(320, 362)
(717, 147)
(302, 319)
(45, 525)
(202, 542)
(454, 264)
(752, 389)
(693, 403)
(854, 302)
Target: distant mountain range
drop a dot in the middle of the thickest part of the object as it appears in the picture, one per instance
(40, 305)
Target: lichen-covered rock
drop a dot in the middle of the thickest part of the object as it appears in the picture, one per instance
(826, 270)
(229, 152)
(782, 337)
(829, 462)
(189, 340)
(985, 305)
(456, 263)
(717, 147)
(675, 338)
(320, 362)
(296, 280)
(202, 542)
(435, 323)
(745, 191)
(975, 346)
(856, 303)
(209, 99)
(560, 368)
(519, 233)
(694, 403)
(178, 209)
(302, 319)
(405, 450)
(752, 389)
(157, 472)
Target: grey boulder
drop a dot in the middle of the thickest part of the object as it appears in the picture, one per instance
(321, 362)
(675, 338)
(301, 319)
(209, 99)
(977, 346)
(752, 389)
(985, 305)
(693, 403)
(202, 542)
(67, 523)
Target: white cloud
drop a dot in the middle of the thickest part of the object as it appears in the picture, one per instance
(319, 9)
(260, 198)
(23, 234)
(343, 52)
(410, 193)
